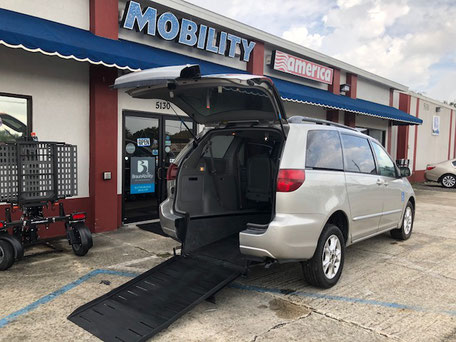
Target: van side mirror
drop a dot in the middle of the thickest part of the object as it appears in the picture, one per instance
(405, 171)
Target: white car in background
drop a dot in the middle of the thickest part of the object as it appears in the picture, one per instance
(443, 173)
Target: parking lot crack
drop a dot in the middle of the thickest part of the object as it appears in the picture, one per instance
(143, 249)
(281, 325)
(327, 315)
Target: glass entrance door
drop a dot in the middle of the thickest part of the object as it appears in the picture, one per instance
(151, 143)
(141, 159)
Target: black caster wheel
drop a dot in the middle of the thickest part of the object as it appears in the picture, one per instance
(6, 255)
(83, 239)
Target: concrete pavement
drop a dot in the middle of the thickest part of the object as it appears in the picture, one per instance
(389, 290)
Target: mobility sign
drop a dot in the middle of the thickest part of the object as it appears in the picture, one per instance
(184, 31)
(142, 175)
(300, 67)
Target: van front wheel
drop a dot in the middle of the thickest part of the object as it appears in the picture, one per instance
(325, 267)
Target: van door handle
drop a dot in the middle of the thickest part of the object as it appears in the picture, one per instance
(380, 182)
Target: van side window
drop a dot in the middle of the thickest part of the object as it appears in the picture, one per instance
(220, 144)
(324, 151)
(385, 164)
(358, 155)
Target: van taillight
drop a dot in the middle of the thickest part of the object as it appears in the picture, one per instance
(290, 179)
(429, 168)
(171, 174)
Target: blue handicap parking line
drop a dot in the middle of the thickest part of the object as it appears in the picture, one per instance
(50, 297)
(392, 305)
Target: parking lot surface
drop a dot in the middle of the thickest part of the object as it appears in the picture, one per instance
(389, 290)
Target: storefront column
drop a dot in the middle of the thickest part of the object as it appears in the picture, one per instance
(403, 131)
(451, 132)
(390, 126)
(352, 81)
(103, 149)
(255, 65)
(104, 18)
(333, 114)
(415, 143)
(104, 202)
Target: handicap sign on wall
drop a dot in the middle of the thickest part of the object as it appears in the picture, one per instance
(142, 175)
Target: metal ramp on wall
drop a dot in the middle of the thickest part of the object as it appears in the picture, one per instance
(149, 303)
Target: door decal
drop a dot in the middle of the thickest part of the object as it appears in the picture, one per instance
(142, 175)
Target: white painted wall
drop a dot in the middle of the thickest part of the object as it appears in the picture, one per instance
(394, 142)
(70, 12)
(411, 141)
(60, 95)
(372, 91)
(293, 108)
(432, 148)
(343, 77)
(366, 121)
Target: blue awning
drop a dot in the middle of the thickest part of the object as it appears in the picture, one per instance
(34, 34)
(299, 93)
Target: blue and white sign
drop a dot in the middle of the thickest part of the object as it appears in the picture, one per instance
(184, 31)
(144, 142)
(142, 175)
(435, 125)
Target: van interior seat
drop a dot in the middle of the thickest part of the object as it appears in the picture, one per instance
(259, 175)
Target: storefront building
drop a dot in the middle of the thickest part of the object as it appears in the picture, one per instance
(59, 59)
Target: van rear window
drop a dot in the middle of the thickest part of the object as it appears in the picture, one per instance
(324, 150)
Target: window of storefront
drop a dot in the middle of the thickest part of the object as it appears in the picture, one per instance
(15, 116)
(378, 134)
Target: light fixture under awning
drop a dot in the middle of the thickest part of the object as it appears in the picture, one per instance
(302, 94)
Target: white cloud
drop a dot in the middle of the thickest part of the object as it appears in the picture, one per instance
(300, 35)
(404, 40)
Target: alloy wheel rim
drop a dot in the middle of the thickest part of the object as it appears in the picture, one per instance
(331, 258)
(2, 253)
(449, 181)
(408, 219)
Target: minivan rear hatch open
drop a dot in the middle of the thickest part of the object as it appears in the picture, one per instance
(212, 100)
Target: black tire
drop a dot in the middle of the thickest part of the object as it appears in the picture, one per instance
(83, 239)
(313, 270)
(6, 255)
(405, 231)
(448, 181)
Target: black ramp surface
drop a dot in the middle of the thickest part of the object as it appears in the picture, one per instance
(142, 307)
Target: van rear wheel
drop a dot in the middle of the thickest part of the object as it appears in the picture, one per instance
(325, 267)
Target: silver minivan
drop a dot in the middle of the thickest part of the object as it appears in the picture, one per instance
(256, 186)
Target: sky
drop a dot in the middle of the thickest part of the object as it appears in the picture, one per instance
(408, 41)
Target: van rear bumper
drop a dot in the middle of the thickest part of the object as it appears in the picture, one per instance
(288, 236)
(168, 218)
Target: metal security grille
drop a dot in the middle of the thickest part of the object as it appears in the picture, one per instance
(37, 171)
(67, 175)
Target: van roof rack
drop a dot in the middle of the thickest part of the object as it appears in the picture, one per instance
(300, 119)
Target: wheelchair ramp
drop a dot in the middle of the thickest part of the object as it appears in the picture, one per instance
(149, 303)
